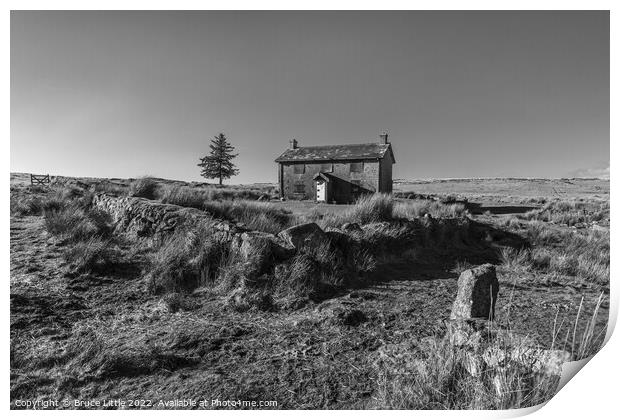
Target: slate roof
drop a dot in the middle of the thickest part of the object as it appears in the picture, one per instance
(336, 152)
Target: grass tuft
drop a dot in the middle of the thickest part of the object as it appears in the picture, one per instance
(187, 260)
(91, 255)
(145, 187)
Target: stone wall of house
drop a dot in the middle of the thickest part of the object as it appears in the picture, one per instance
(367, 179)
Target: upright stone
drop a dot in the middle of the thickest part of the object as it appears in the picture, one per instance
(476, 295)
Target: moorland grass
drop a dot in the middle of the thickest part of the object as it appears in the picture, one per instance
(378, 208)
(233, 206)
(187, 260)
(571, 212)
(583, 255)
(145, 187)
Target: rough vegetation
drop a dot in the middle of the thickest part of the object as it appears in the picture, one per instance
(157, 291)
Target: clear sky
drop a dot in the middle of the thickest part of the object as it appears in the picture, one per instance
(462, 94)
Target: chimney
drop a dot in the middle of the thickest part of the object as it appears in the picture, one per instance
(383, 138)
(293, 144)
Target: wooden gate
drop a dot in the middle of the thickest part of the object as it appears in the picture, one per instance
(39, 179)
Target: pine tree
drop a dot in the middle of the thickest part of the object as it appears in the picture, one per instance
(218, 164)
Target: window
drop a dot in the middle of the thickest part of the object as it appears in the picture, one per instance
(299, 168)
(327, 167)
(357, 167)
(300, 188)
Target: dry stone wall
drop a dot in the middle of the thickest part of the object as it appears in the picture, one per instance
(140, 218)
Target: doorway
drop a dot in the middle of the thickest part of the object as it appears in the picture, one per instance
(321, 190)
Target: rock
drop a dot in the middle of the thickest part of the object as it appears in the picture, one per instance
(352, 228)
(255, 245)
(477, 293)
(480, 333)
(262, 249)
(304, 235)
(462, 333)
(337, 237)
(548, 362)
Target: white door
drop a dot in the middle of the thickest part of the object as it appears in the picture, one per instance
(321, 191)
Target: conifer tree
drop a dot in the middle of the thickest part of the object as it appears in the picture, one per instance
(218, 164)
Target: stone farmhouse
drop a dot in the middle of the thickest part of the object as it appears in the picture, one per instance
(335, 173)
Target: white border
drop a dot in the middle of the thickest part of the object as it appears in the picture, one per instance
(592, 394)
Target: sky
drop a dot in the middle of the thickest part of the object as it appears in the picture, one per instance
(461, 94)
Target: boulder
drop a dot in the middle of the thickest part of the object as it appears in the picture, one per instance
(465, 333)
(304, 235)
(544, 361)
(476, 295)
(261, 249)
(255, 244)
(548, 362)
(352, 228)
(337, 237)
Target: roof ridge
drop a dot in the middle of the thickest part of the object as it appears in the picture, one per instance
(346, 144)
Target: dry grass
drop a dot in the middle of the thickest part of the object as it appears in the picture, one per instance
(187, 260)
(75, 223)
(377, 208)
(583, 255)
(581, 342)
(111, 188)
(186, 196)
(572, 213)
(26, 206)
(219, 203)
(103, 352)
(441, 379)
(68, 216)
(417, 208)
(195, 196)
(145, 187)
(93, 254)
(263, 217)
(34, 201)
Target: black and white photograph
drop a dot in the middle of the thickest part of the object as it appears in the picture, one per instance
(306, 209)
